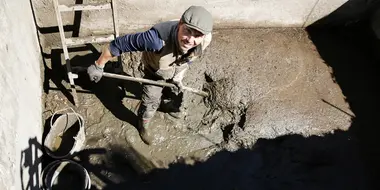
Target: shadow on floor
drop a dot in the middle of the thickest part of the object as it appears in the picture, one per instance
(109, 91)
(289, 162)
(350, 47)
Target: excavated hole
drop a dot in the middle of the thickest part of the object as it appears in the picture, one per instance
(227, 131)
(208, 78)
(243, 118)
(226, 103)
(224, 94)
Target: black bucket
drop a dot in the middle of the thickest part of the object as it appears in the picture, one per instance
(64, 174)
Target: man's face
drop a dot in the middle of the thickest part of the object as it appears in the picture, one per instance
(188, 37)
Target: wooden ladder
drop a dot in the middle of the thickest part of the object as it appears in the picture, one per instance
(68, 42)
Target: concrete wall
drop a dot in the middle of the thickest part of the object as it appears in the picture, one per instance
(139, 14)
(258, 13)
(20, 96)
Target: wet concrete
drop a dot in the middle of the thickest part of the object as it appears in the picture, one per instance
(277, 87)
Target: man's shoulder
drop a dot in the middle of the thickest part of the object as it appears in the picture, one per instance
(164, 29)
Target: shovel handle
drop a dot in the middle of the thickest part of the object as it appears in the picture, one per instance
(147, 81)
(195, 91)
(128, 78)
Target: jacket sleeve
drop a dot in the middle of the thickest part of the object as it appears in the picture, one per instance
(144, 41)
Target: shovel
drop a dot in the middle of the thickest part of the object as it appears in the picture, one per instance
(128, 78)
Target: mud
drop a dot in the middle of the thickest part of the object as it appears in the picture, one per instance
(265, 83)
(225, 94)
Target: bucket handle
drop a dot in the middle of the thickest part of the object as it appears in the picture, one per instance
(60, 168)
(69, 108)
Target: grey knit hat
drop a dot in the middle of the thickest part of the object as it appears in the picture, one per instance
(198, 18)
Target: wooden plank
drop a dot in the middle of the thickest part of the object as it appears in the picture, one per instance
(115, 23)
(65, 52)
(89, 40)
(115, 17)
(83, 7)
(60, 27)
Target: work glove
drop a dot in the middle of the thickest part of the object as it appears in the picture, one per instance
(178, 76)
(95, 72)
(178, 86)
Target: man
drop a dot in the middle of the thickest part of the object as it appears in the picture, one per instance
(168, 50)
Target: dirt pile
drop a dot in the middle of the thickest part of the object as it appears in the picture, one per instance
(227, 104)
(225, 94)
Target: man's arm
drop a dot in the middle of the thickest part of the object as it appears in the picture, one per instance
(144, 41)
(104, 57)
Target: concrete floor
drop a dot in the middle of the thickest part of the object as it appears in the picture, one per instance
(294, 130)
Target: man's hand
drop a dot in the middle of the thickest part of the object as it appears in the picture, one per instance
(95, 72)
(178, 76)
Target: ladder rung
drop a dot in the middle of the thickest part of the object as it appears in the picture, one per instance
(81, 7)
(89, 39)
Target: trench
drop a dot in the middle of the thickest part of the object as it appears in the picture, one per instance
(246, 117)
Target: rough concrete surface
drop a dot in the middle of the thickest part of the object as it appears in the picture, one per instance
(323, 8)
(341, 12)
(277, 86)
(135, 15)
(20, 97)
(259, 13)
